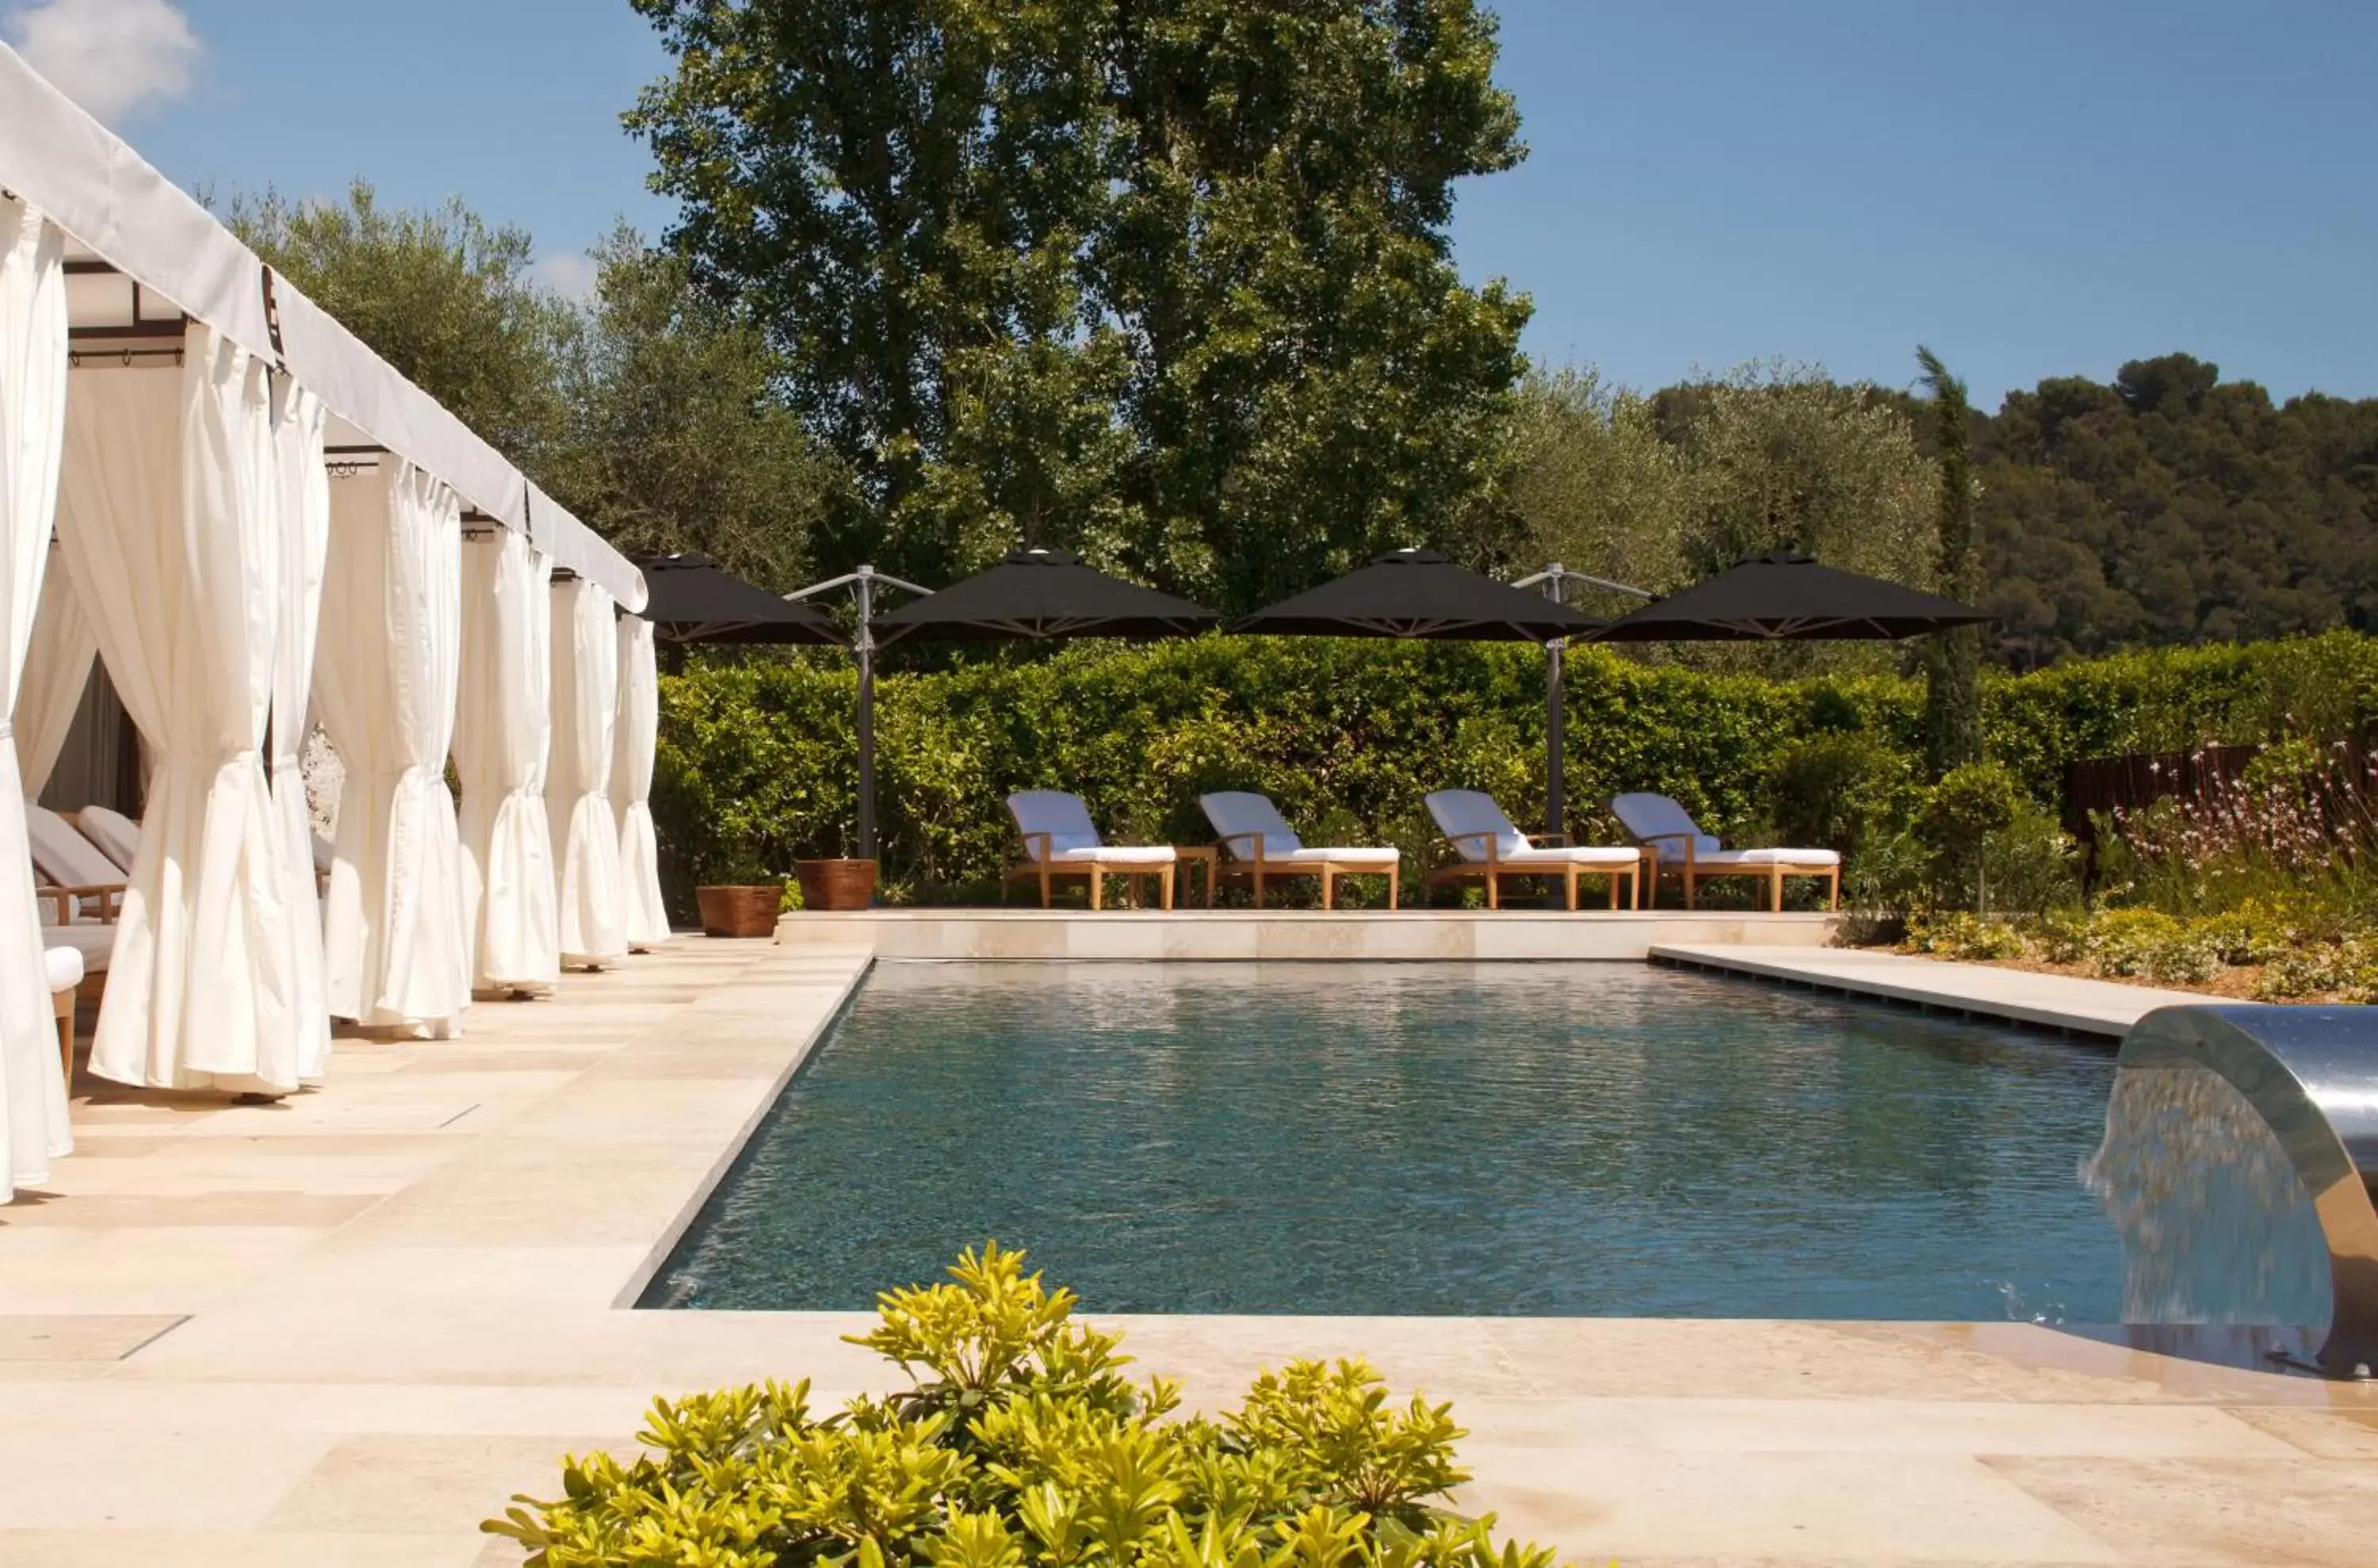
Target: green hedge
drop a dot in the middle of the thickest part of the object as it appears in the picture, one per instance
(757, 758)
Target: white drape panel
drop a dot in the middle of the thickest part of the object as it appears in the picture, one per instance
(577, 791)
(168, 515)
(396, 949)
(33, 424)
(303, 492)
(643, 918)
(57, 668)
(503, 724)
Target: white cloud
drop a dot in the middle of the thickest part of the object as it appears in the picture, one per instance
(573, 276)
(111, 56)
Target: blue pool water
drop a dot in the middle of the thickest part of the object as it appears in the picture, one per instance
(1421, 1139)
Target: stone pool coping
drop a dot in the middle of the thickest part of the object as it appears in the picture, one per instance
(345, 1328)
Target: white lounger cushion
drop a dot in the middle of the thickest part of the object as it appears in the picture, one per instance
(1117, 854)
(62, 967)
(1767, 857)
(1471, 811)
(1073, 838)
(1240, 818)
(117, 836)
(1653, 818)
(93, 944)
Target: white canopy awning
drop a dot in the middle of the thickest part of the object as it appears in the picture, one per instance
(96, 188)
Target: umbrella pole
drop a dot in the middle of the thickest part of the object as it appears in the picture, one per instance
(865, 644)
(1555, 718)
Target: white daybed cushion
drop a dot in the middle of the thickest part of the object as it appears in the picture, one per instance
(1768, 857)
(62, 967)
(1240, 817)
(92, 943)
(117, 836)
(1650, 818)
(1578, 854)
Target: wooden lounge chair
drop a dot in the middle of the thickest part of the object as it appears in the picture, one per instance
(1254, 843)
(74, 866)
(117, 836)
(1061, 841)
(1665, 827)
(1489, 848)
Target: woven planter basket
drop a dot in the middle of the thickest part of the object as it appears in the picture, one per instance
(740, 911)
(835, 885)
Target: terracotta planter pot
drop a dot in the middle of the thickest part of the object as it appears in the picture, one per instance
(740, 911)
(835, 885)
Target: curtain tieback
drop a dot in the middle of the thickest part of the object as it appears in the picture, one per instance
(8, 731)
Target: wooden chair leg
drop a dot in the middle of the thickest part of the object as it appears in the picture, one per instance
(1395, 888)
(1835, 902)
(1775, 892)
(1613, 880)
(1688, 887)
(1494, 890)
(1167, 879)
(1571, 877)
(1328, 889)
(1260, 884)
(1045, 890)
(1098, 888)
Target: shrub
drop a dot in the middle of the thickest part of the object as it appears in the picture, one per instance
(2190, 956)
(2251, 934)
(1836, 788)
(2063, 936)
(1019, 1443)
(2124, 942)
(1966, 936)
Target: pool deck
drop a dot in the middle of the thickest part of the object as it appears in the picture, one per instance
(344, 1329)
(2104, 1008)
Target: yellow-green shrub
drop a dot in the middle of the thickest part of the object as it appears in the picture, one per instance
(1019, 1443)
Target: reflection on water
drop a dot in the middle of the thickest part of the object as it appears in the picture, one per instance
(1501, 1138)
(2216, 1226)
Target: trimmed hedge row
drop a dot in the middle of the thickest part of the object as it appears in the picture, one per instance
(757, 759)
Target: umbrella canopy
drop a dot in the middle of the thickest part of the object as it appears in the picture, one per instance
(1782, 597)
(692, 601)
(1042, 593)
(1418, 593)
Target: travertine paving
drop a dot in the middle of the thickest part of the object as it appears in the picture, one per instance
(344, 1329)
(2053, 1001)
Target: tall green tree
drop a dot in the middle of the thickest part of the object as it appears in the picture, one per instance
(676, 438)
(1953, 659)
(441, 294)
(1596, 486)
(1167, 280)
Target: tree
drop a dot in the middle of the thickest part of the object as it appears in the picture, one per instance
(1953, 659)
(441, 295)
(1596, 486)
(675, 438)
(1166, 280)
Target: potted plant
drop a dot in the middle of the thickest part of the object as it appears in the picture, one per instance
(740, 899)
(836, 884)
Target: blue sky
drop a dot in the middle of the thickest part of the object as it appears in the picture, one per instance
(2032, 188)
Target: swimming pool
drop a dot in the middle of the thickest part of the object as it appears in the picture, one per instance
(1419, 1139)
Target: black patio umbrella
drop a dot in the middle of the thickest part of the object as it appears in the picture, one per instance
(691, 601)
(1782, 597)
(1032, 596)
(1418, 593)
(1038, 594)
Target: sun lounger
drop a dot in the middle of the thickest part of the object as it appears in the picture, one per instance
(1254, 841)
(1489, 848)
(1060, 840)
(74, 866)
(1663, 825)
(117, 836)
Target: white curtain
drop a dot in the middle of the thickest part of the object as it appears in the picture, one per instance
(169, 514)
(577, 790)
(396, 952)
(643, 920)
(503, 726)
(57, 668)
(33, 424)
(304, 491)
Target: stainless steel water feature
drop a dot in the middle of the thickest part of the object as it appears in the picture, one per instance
(2311, 1073)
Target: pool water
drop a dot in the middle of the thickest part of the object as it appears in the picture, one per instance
(1421, 1139)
